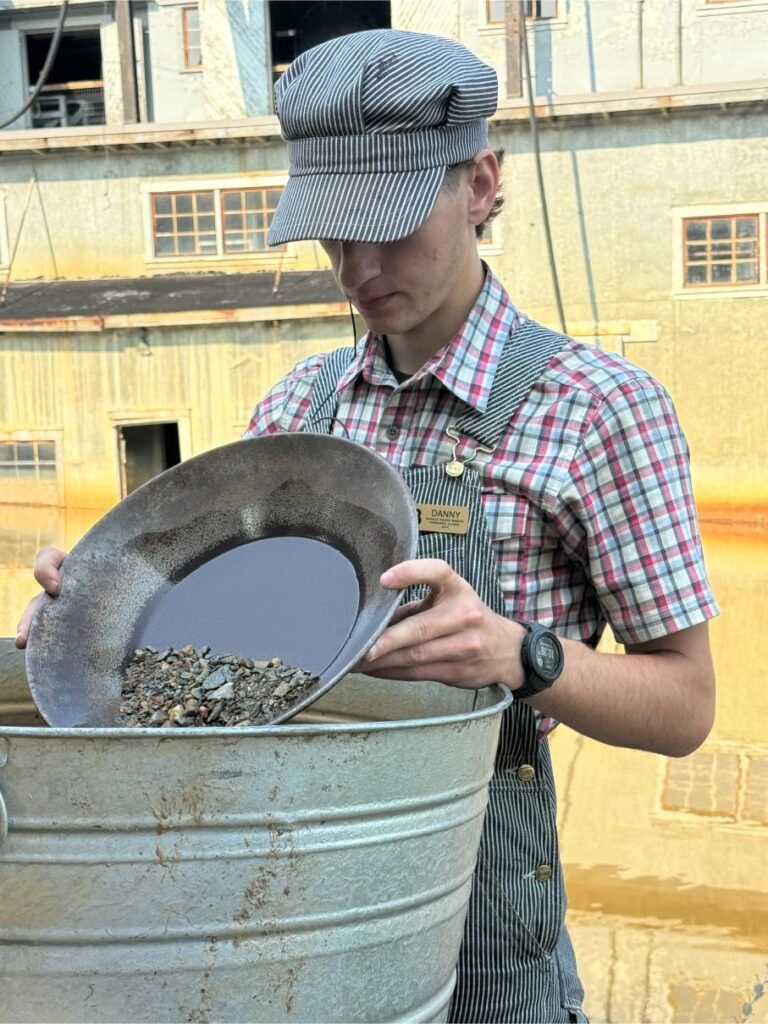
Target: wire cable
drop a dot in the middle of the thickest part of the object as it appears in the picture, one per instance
(53, 49)
(537, 151)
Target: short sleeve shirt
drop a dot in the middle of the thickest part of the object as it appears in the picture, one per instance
(588, 496)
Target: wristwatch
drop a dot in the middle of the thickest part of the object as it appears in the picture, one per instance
(543, 660)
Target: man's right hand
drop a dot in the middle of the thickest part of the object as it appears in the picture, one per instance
(47, 565)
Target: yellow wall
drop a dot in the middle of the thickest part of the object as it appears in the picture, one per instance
(79, 387)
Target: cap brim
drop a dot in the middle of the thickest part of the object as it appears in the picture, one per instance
(366, 207)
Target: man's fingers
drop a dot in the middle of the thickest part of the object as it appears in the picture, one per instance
(413, 631)
(431, 572)
(22, 630)
(47, 564)
(405, 611)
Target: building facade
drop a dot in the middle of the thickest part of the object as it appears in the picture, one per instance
(152, 151)
(142, 316)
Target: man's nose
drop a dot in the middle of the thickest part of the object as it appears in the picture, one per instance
(357, 263)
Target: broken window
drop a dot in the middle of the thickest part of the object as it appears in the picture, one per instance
(74, 90)
(298, 25)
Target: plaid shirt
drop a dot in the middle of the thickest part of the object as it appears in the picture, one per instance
(588, 496)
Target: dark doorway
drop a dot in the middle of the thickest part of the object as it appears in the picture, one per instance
(74, 90)
(145, 450)
(297, 25)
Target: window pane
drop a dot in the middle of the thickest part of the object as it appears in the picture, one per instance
(696, 275)
(162, 204)
(273, 197)
(234, 243)
(232, 221)
(185, 225)
(695, 229)
(208, 244)
(206, 223)
(495, 10)
(722, 250)
(746, 249)
(46, 451)
(746, 273)
(547, 8)
(697, 253)
(183, 204)
(186, 244)
(721, 272)
(254, 200)
(255, 221)
(205, 202)
(26, 470)
(165, 245)
(746, 228)
(46, 470)
(25, 453)
(232, 200)
(721, 229)
(7, 452)
(164, 225)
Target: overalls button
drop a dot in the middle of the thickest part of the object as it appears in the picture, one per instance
(543, 873)
(526, 772)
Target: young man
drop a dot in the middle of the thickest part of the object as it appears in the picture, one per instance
(566, 465)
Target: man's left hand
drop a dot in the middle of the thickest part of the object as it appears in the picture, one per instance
(451, 636)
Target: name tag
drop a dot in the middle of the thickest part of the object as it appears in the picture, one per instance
(443, 518)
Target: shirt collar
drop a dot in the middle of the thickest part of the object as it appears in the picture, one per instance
(466, 365)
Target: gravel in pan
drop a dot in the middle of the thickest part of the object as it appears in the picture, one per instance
(188, 687)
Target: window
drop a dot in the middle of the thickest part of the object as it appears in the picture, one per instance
(721, 781)
(184, 224)
(74, 89)
(247, 215)
(193, 56)
(213, 222)
(535, 10)
(28, 460)
(721, 251)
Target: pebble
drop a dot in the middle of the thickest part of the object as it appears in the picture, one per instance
(188, 687)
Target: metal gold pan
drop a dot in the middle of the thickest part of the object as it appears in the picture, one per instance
(262, 548)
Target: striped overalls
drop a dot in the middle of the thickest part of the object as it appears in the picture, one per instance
(516, 961)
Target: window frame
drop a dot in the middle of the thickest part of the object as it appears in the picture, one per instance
(186, 46)
(30, 486)
(709, 262)
(531, 19)
(216, 186)
(32, 439)
(719, 211)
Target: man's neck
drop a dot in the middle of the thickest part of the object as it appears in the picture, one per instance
(410, 351)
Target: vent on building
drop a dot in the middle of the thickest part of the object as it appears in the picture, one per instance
(74, 90)
(298, 25)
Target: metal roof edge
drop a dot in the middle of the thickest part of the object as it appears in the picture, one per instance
(183, 318)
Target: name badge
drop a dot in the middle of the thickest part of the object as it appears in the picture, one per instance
(443, 518)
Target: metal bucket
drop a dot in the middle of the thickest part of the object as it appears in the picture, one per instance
(315, 871)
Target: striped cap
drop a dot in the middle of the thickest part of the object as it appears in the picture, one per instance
(372, 119)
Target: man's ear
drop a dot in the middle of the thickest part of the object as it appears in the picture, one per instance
(483, 184)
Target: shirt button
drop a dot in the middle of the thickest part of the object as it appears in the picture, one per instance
(543, 873)
(526, 772)
(392, 433)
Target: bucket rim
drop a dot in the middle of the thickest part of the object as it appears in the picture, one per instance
(504, 698)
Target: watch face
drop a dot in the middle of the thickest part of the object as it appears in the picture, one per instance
(547, 657)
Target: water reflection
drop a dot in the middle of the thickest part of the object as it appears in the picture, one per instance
(665, 859)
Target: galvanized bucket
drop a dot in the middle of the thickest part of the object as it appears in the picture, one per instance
(314, 871)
